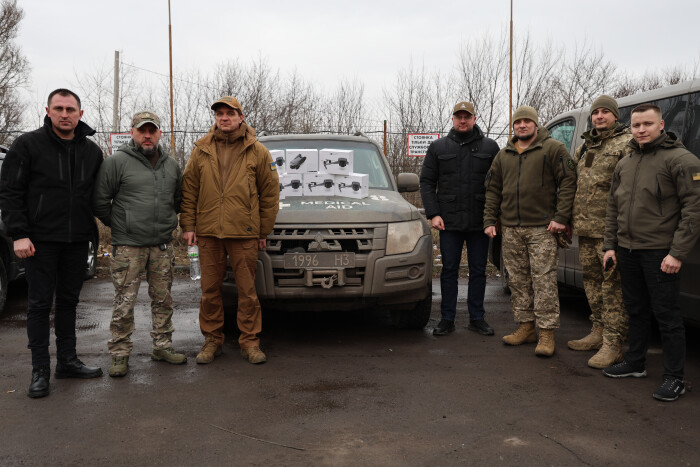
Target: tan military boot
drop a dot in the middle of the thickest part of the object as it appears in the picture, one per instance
(254, 355)
(545, 344)
(593, 341)
(524, 334)
(169, 355)
(610, 353)
(210, 349)
(119, 367)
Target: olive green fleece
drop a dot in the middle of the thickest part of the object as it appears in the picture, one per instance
(654, 200)
(533, 188)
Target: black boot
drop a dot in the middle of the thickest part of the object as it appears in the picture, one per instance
(40, 386)
(74, 368)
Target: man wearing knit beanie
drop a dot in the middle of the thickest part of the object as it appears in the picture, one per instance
(604, 145)
(529, 191)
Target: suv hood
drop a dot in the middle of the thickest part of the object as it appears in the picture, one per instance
(379, 206)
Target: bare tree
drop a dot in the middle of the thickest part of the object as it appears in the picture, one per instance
(14, 70)
(482, 80)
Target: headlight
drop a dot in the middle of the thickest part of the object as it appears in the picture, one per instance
(403, 236)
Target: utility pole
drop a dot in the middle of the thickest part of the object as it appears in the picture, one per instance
(510, 86)
(115, 104)
(385, 137)
(172, 115)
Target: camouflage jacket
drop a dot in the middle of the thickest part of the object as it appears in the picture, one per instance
(596, 160)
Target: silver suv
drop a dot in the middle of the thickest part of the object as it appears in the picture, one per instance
(340, 253)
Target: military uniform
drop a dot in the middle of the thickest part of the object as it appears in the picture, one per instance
(521, 192)
(138, 197)
(596, 161)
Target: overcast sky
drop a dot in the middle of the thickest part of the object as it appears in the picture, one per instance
(331, 40)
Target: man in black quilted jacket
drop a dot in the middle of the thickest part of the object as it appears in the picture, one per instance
(452, 188)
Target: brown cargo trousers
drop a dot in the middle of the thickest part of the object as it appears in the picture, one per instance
(243, 255)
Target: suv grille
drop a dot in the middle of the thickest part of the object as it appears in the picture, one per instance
(360, 240)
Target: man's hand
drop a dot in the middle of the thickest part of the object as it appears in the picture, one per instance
(669, 265)
(190, 238)
(262, 243)
(609, 254)
(490, 231)
(437, 223)
(556, 227)
(24, 248)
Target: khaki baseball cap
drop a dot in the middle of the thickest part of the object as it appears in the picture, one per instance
(141, 118)
(229, 101)
(463, 106)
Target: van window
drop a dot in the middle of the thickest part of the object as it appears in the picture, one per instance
(564, 132)
(680, 117)
(692, 137)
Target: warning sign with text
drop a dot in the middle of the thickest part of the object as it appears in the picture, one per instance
(117, 139)
(418, 143)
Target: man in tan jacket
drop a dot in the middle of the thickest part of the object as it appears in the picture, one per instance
(230, 198)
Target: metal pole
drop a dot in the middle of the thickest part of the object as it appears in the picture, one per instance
(115, 103)
(172, 114)
(510, 87)
(385, 137)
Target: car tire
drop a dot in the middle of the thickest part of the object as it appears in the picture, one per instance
(417, 317)
(3, 285)
(91, 267)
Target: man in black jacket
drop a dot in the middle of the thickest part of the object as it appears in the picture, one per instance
(452, 188)
(46, 201)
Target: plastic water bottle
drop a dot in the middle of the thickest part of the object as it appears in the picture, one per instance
(195, 269)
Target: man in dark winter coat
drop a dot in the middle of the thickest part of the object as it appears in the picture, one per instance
(46, 201)
(452, 188)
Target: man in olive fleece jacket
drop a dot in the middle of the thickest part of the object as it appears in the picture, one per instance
(651, 225)
(138, 195)
(530, 191)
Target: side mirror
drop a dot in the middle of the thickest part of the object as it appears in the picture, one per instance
(408, 182)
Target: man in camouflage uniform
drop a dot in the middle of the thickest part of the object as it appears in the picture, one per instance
(138, 195)
(605, 144)
(530, 190)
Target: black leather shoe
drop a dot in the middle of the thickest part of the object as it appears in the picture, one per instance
(74, 368)
(40, 386)
(444, 327)
(480, 326)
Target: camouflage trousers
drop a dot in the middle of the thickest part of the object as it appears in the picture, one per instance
(126, 266)
(603, 290)
(530, 257)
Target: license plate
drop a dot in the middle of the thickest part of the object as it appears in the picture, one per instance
(319, 260)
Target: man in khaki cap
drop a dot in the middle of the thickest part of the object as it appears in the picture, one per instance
(604, 145)
(230, 198)
(529, 191)
(142, 216)
(452, 188)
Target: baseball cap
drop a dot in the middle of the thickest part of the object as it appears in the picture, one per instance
(463, 106)
(141, 118)
(229, 101)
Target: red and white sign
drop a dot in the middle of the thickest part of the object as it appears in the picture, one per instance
(117, 139)
(418, 143)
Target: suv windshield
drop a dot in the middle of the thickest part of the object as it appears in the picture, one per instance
(366, 158)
